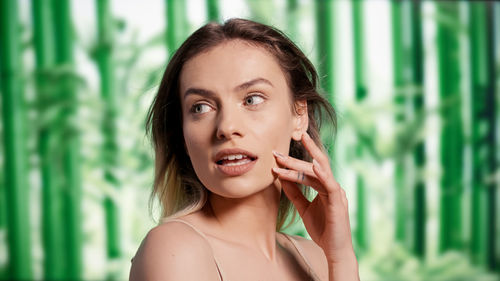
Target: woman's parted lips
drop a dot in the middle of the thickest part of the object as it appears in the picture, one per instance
(233, 151)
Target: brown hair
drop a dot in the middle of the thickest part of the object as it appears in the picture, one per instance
(176, 185)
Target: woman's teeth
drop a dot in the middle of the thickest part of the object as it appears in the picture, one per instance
(235, 163)
(235, 156)
(232, 162)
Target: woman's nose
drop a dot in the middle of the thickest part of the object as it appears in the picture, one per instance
(228, 125)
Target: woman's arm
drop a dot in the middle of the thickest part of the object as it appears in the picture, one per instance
(326, 218)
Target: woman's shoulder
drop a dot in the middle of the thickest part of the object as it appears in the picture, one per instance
(314, 255)
(170, 251)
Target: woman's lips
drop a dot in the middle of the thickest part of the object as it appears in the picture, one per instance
(237, 168)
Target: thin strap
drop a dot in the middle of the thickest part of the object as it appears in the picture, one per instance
(205, 237)
(302, 256)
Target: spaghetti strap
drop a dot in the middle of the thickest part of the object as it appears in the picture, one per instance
(204, 237)
(188, 224)
(303, 258)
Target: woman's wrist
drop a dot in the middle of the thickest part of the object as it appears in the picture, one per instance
(343, 267)
(340, 255)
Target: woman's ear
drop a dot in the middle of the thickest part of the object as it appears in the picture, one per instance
(301, 119)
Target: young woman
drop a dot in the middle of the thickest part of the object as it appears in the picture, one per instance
(235, 127)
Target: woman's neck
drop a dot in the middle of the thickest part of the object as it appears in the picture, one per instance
(250, 221)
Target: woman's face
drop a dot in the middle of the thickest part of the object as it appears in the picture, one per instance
(237, 109)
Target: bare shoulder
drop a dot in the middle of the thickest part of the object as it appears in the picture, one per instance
(314, 255)
(170, 251)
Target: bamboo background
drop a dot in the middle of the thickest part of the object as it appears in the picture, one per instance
(416, 85)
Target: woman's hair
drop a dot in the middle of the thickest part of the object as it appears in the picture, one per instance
(176, 185)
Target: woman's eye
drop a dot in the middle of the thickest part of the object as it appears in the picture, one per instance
(200, 108)
(253, 100)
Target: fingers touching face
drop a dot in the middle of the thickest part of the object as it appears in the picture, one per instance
(317, 174)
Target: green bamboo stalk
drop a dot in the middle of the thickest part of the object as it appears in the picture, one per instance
(3, 210)
(494, 76)
(177, 25)
(3, 207)
(408, 81)
(480, 137)
(325, 28)
(360, 233)
(494, 31)
(493, 63)
(494, 207)
(359, 55)
(70, 148)
(3, 215)
(17, 192)
(400, 67)
(448, 47)
(417, 82)
(213, 13)
(326, 49)
(51, 219)
(110, 149)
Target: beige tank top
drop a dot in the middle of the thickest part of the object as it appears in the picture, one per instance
(283, 239)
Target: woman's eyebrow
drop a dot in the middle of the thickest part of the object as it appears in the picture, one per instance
(210, 94)
(198, 91)
(252, 82)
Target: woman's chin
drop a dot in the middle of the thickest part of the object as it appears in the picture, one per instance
(241, 191)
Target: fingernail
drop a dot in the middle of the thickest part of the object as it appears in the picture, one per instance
(279, 170)
(279, 155)
(315, 163)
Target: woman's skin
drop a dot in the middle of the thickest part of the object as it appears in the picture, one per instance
(235, 96)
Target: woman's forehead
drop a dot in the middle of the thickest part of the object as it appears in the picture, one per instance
(229, 64)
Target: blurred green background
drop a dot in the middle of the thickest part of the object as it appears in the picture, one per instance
(416, 85)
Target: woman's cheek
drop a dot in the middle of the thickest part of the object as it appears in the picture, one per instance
(194, 138)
